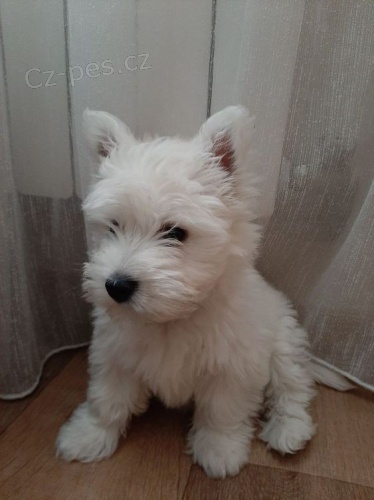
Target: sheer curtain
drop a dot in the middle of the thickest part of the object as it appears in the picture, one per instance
(304, 68)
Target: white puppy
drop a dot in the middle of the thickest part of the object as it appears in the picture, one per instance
(179, 310)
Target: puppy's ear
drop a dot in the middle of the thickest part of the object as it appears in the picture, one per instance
(226, 135)
(105, 132)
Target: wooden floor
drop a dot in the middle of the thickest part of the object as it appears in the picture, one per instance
(151, 463)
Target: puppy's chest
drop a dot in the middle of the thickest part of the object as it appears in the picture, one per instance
(170, 368)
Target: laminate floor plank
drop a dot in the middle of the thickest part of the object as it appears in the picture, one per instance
(151, 462)
(10, 410)
(266, 483)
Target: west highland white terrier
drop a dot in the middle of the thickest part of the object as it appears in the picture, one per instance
(180, 311)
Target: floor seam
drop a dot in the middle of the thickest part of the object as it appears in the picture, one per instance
(310, 474)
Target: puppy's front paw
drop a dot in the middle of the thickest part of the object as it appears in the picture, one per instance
(220, 453)
(83, 438)
(288, 434)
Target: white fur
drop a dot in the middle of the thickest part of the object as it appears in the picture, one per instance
(203, 325)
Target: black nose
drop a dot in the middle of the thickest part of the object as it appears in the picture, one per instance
(121, 289)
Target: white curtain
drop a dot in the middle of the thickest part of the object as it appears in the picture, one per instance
(304, 68)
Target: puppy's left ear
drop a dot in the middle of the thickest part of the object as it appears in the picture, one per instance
(227, 136)
(105, 133)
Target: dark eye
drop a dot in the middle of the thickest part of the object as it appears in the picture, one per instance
(174, 233)
(113, 223)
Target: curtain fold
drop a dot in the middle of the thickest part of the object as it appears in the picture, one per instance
(305, 69)
(318, 245)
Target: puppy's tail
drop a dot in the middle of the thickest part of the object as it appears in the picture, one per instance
(326, 376)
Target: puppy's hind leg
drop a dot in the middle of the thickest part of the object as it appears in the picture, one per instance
(289, 393)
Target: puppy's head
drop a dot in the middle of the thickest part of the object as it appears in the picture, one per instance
(168, 215)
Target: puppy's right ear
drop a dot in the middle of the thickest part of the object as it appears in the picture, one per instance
(105, 133)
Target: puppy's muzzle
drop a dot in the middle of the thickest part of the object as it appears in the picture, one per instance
(121, 289)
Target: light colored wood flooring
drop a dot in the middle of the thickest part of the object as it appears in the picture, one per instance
(151, 462)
